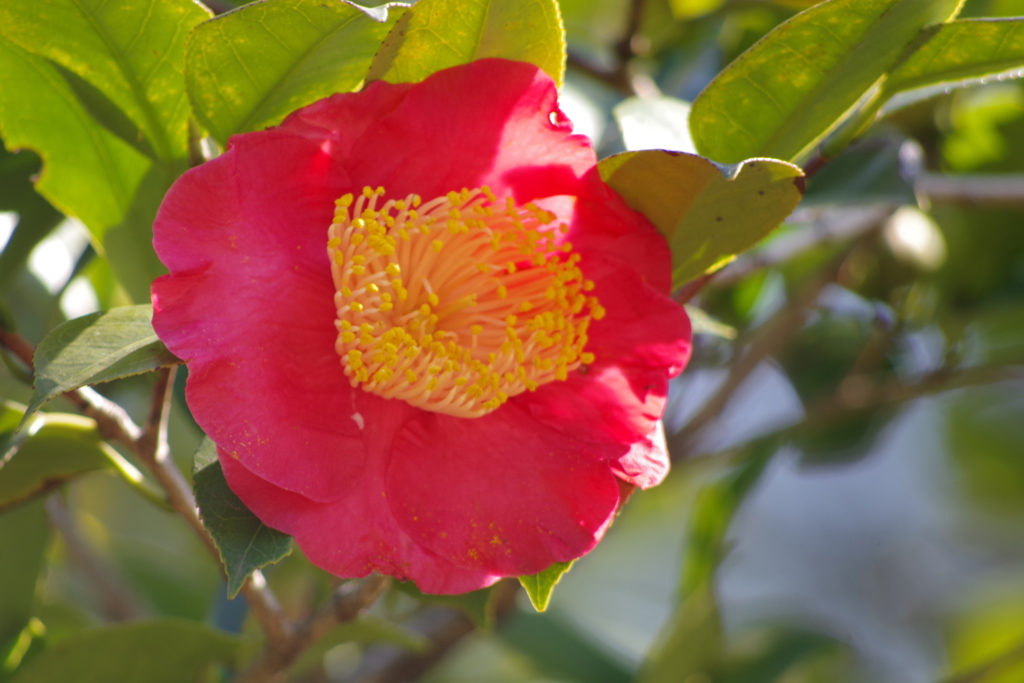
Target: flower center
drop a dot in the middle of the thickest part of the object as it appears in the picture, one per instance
(458, 303)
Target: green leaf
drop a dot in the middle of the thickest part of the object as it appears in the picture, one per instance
(438, 34)
(53, 450)
(692, 645)
(963, 50)
(88, 171)
(478, 605)
(36, 218)
(707, 213)
(97, 348)
(129, 52)
(541, 585)
(244, 542)
(25, 533)
(365, 630)
(155, 651)
(782, 96)
(248, 69)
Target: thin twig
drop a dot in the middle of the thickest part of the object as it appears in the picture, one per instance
(1003, 188)
(117, 602)
(768, 340)
(443, 626)
(114, 424)
(348, 602)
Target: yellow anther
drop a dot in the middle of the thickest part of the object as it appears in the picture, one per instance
(586, 358)
(516, 317)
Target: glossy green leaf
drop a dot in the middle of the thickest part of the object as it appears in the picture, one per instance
(963, 50)
(365, 630)
(438, 34)
(97, 348)
(54, 449)
(245, 543)
(541, 585)
(707, 213)
(88, 171)
(130, 53)
(155, 651)
(248, 69)
(782, 96)
(36, 217)
(27, 530)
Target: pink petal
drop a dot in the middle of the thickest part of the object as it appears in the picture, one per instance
(500, 493)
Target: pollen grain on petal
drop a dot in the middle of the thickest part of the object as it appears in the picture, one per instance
(456, 303)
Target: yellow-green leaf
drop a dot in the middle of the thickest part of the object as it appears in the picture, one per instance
(438, 34)
(967, 49)
(248, 69)
(787, 92)
(541, 585)
(707, 213)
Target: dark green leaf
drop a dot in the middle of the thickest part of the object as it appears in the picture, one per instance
(438, 34)
(541, 585)
(155, 651)
(478, 605)
(54, 449)
(708, 214)
(97, 348)
(25, 534)
(131, 53)
(963, 50)
(36, 218)
(783, 95)
(244, 542)
(248, 69)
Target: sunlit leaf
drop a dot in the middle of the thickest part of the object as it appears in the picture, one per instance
(963, 50)
(26, 529)
(155, 651)
(97, 348)
(88, 172)
(244, 542)
(783, 95)
(130, 53)
(708, 213)
(249, 68)
(53, 450)
(438, 34)
(541, 585)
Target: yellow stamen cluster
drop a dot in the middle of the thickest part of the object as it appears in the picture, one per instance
(457, 303)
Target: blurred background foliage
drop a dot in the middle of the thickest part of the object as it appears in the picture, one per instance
(847, 498)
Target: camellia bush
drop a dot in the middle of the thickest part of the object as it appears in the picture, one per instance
(334, 337)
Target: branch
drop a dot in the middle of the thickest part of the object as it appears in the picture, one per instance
(117, 602)
(443, 626)
(1003, 188)
(149, 446)
(825, 227)
(349, 601)
(767, 341)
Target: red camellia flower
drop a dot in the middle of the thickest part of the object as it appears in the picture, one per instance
(427, 339)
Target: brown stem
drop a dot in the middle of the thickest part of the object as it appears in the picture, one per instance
(149, 446)
(349, 601)
(116, 600)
